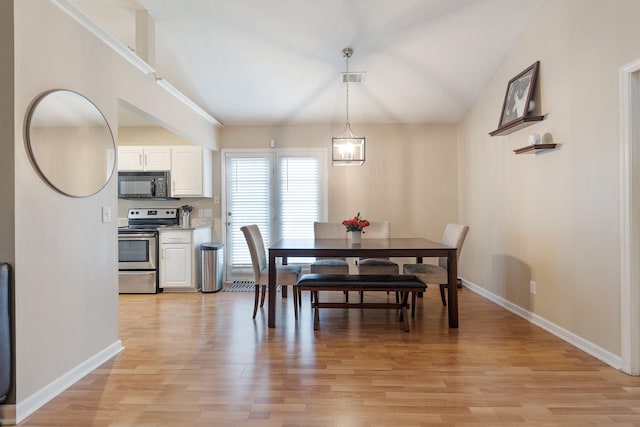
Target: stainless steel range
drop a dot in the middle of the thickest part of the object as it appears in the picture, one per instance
(138, 249)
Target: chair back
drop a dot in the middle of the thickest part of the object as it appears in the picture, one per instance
(329, 230)
(256, 249)
(453, 235)
(377, 230)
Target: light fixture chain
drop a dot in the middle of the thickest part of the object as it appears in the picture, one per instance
(347, 149)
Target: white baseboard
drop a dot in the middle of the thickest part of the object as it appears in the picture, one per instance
(28, 406)
(573, 339)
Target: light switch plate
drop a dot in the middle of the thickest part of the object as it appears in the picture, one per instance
(106, 214)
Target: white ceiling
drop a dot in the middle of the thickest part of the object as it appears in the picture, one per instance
(280, 61)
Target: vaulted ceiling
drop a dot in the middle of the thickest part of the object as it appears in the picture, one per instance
(280, 61)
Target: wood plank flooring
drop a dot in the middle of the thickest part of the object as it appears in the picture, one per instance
(200, 360)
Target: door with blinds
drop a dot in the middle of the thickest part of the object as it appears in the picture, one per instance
(282, 191)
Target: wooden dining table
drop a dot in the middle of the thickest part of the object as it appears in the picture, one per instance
(417, 248)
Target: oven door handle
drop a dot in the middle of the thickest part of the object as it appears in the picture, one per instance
(136, 236)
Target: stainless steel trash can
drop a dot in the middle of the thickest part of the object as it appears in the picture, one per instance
(211, 265)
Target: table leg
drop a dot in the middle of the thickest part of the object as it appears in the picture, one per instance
(271, 291)
(284, 288)
(452, 280)
(420, 294)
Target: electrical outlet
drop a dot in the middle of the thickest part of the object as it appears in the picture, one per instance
(532, 287)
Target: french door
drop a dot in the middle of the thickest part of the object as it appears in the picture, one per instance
(282, 191)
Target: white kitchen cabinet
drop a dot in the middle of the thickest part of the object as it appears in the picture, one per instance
(179, 263)
(191, 172)
(175, 264)
(147, 158)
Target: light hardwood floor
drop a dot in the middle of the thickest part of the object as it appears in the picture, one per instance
(200, 360)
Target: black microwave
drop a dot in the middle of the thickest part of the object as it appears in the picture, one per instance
(144, 185)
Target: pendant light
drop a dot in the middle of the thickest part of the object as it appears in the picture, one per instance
(347, 149)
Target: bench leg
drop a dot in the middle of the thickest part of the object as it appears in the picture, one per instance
(413, 305)
(316, 311)
(403, 312)
(296, 295)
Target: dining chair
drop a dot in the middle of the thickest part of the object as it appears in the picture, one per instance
(377, 230)
(285, 274)
(329, 265)
(453, 235)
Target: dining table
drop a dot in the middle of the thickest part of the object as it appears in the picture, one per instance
(405, 247)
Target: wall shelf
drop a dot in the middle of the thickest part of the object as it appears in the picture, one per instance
(534, 148)
(516, 125)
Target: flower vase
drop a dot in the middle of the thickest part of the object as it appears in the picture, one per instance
(356, 237)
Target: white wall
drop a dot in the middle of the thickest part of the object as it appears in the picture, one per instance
(554, 217)
(66, 297)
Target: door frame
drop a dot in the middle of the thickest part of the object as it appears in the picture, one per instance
(629, 217)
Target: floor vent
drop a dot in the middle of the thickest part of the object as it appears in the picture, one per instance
(242, 286)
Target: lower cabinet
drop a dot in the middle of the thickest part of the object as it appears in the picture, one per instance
(179, 263)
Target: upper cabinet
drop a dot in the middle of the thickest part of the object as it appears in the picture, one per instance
(191, 166)
(191, 172)
(152, 158)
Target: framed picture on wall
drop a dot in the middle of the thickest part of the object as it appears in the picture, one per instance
(518, 100)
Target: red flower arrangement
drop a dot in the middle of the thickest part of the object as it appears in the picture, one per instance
(356, 223)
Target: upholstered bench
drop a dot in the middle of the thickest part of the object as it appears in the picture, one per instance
(402, 284)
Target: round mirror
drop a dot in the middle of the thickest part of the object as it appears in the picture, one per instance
(70, 143)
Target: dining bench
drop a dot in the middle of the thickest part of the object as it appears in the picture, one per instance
(402, 284)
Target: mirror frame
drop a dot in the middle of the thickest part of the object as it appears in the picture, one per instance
(31, 111)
